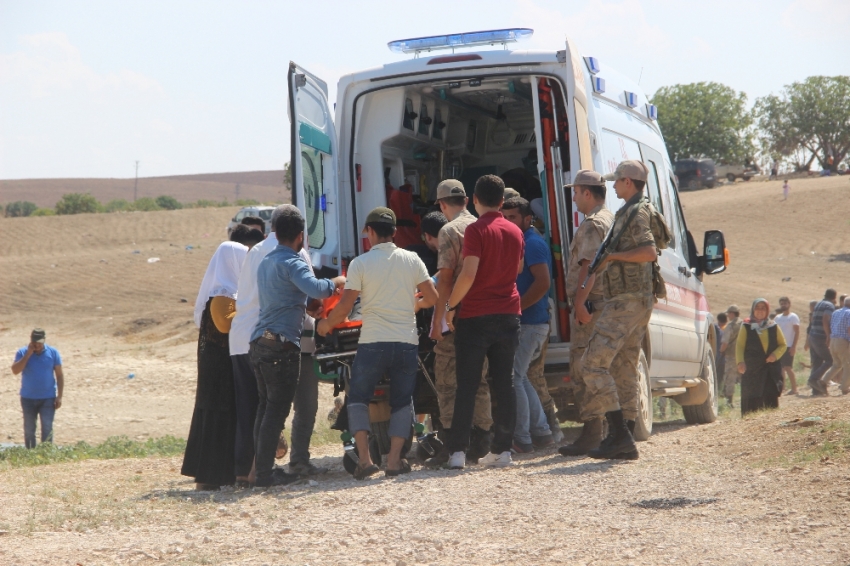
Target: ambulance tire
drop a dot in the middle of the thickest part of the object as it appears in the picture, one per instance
(643, 423)
(706, 412)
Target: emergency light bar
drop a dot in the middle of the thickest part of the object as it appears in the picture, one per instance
(452, 41)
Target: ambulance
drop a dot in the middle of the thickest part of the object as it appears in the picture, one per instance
(464, 105)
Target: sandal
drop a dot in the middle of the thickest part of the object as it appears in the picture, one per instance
(363, 473)
(404, 468)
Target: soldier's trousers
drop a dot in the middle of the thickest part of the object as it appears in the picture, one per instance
(538, 379)
(731, 377)
(579, 337)
(609, 364)
(445, 375)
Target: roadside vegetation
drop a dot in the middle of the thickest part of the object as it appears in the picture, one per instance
(112, 448)
(82, 203)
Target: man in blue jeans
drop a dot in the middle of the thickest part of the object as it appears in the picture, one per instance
(41, 392)
(532, 427)
(284, 281)
(384, 278)
(487, 324)
(819, 333)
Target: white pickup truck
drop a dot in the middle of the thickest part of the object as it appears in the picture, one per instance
(733, 172)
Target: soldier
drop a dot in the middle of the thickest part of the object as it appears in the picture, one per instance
(630, 285)
(452, 199)
(586, 304)
(727, 348)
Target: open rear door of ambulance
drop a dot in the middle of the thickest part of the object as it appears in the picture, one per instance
(580, 153)
(314, 166)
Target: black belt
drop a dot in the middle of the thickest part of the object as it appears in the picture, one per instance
(286, 346)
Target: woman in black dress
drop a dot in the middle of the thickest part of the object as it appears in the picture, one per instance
(758, 350)
(209, 456)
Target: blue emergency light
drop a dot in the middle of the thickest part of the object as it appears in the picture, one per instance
(452, 41)
(631, 99)
(652, 112)
(592, 65)
(598, 84)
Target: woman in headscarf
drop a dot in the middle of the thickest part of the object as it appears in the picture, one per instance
(758, 351)
(209, 456)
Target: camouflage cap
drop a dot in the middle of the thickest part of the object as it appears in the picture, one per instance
(587, 177)
(630, 169)
(510, 193)
(450, 188)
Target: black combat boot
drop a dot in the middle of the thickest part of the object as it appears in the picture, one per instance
(442, 455)
(590, 438)
(633, 455)
(479, 445)
(618, 441)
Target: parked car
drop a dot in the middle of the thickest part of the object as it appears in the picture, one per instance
(399, 129)
(695, 173)
(263, 212)
(733, 172)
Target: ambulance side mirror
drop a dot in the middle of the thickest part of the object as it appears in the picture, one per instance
(715, 257)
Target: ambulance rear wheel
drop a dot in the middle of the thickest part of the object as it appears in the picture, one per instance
(643, 422)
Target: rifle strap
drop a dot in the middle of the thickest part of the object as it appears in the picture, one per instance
(616, 239)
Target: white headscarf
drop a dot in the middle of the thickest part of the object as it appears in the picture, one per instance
(221, 277)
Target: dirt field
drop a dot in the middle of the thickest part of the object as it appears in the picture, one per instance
(263, 186)
(755, 492)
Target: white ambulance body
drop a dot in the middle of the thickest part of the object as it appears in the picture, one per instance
(467, 113)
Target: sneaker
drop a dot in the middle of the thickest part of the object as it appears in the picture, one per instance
(306, 469)
(457, 460)
(517, 448)
(500, 460)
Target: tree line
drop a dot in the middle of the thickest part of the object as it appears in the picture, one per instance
(807, 122)
(80, 203)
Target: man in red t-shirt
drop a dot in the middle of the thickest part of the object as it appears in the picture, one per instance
(487, 323)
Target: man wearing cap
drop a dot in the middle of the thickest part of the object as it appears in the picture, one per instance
(586, 304)
(385, 278)
(729, 337)
(609, 363)
(284, 282)
(41, 392)
(452, 199)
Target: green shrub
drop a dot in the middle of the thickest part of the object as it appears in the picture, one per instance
(77, 203)
(144, 204)
(168, 203)
(20, 208)
(112, 448)
(44, 212)
(116, 205)
(246, 202)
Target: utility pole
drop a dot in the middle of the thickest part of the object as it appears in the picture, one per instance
(136, 184)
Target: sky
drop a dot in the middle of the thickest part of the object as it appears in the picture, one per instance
(89, 87)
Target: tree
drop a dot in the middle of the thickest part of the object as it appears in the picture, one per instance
(705, 120)
(810, 118)
(144, 204)
(168, 203)
(77, 203)
(20, 208)
(116, 205)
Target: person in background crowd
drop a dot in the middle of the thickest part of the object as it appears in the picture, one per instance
(532, 429)
(488, 322)
(758, 349)
(727, 348)
(719, 357)
(786, 190)
(42, 385)
(586, 304)
(789, 323)
(254, 222)
(384, 278)
(285, 281)
(212, 434)
(839, 347)
(431, 225)
(819, 342)
(451, 196)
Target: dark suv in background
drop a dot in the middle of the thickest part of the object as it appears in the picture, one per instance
(695, 173)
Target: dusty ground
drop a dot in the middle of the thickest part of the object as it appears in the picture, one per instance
(111, 313)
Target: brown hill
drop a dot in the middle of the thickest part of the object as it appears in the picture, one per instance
(263, 186)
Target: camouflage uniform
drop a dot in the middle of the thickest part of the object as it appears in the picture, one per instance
(610, 362)
(585, 243)
(450, 256)
(537, 377)
(731, 375)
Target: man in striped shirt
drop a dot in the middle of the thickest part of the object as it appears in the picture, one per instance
(839, 347)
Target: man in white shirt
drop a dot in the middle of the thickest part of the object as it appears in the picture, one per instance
(385, 278)
(306, 402)
(789, 323)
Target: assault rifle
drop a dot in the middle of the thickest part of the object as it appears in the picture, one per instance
(609, 243)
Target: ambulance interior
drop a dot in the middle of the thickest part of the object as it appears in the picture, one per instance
(409, 138)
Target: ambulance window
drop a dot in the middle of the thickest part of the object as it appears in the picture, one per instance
(311, 165)
(471, 133)
(679, 229)
(438, 124)
(655, 192)
(424, 120)
(409, 114)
